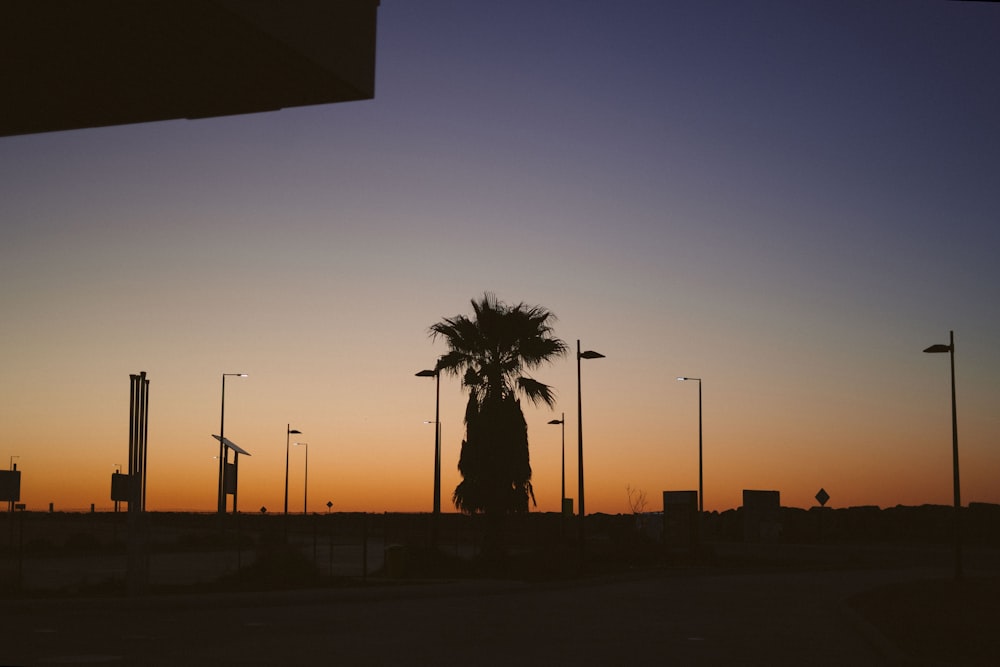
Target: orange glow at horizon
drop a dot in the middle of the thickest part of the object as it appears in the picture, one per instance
(385, 464)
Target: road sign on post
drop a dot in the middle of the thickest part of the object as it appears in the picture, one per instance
(822, 497)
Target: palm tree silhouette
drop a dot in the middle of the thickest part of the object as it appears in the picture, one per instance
(491, 352)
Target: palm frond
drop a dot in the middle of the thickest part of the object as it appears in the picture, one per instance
(536, 391)
(452, 362)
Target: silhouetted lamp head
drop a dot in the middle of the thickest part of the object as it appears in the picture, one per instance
(556, 421)
(940, 347)
(295, 430)
(683, 379)
(590, 354)
(426, 374)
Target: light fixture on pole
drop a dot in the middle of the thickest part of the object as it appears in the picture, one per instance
(436, 507)
(288, 434)
(589, 354)
(305, 486)
(562, 487)
(956, 521)
(223, 450)
(701, 495)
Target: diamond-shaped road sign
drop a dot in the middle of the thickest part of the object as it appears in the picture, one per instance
(822, 497)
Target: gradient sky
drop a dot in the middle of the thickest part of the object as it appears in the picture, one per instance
(789, 200)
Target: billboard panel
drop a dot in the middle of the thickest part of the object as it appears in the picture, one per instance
(10, 485)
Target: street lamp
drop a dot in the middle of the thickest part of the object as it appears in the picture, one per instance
(305, 486)
(436, 512)
(957, 527)
(701, 495)
(288, 434)
(562, 422)
(223, 450)
(589, 354)
(562, 492)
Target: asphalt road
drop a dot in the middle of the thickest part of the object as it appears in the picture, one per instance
(690, 618)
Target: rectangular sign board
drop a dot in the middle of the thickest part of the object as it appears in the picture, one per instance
(10, 485)
(121, 487)
(230, 478)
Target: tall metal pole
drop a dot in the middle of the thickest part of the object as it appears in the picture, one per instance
(223, 454)
(224, 450)
(288, 436)
(132, 436)
(956, 515)
(579, 445)
(701, 494)
(145, 435)
(562, 493)
(562, 497)
(954, 464)
(436, 504)
(436, 518)
(589, 354)
(305, 486)
(138, 560)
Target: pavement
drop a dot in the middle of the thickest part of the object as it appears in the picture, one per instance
(678, 617)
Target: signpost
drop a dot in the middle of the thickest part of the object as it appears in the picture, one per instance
(821, 497)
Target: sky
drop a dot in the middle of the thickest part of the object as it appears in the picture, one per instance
(788, 200)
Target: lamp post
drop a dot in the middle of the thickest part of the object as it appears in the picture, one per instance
(589, 354)
(436, 511)
(288, 435)
(956, 522)
(701, 495)
(223, 450)
(562, 493)
(305, 486)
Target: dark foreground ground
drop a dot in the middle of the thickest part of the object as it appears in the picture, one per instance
(779, 606)
(936, 621)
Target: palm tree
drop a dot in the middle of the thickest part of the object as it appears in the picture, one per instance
(491, 352)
